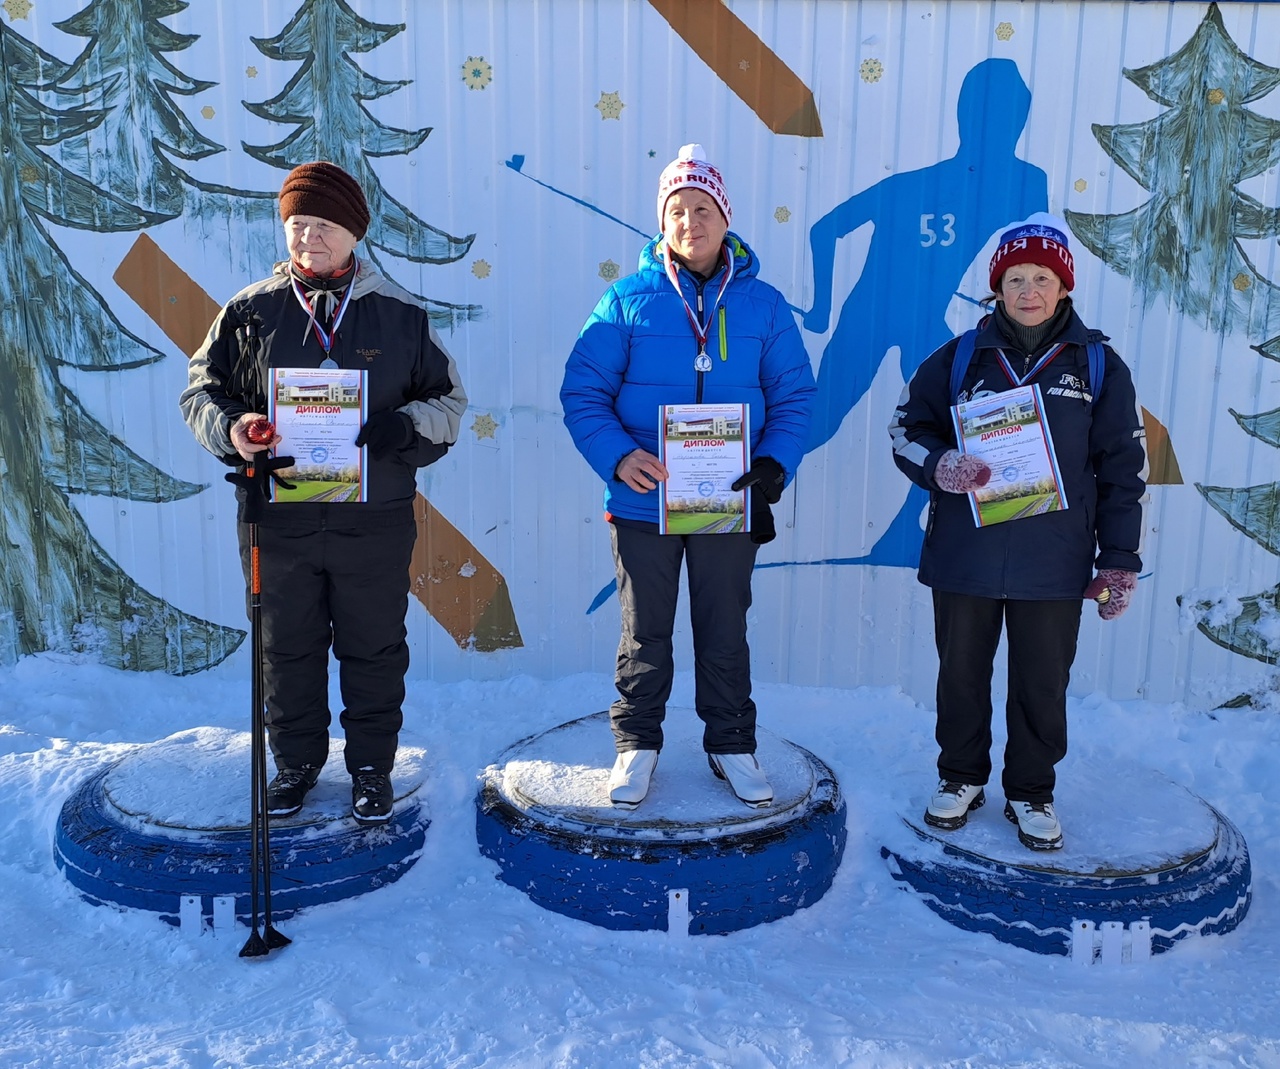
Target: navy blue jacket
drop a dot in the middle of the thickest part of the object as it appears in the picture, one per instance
(1101, 452)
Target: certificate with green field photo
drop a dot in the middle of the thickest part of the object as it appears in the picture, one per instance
(318, 412)
(1009, 431)
(704, 448)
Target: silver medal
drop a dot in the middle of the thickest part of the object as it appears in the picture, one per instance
(702, 362)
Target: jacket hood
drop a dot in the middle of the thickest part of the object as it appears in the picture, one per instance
(745, 261)
(1074, 332)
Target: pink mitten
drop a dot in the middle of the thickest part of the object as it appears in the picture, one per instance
(959, 473)
(1112, 589)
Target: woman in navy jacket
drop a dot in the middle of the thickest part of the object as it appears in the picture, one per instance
(694, 325)
(1029, 573)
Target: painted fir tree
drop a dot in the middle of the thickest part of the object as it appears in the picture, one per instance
(325, 100)
(59, 590)
(1184, 242)
(123, 73)
(1253, 631)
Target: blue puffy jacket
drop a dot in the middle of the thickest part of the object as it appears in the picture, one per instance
(1101, 452)
(636, 352)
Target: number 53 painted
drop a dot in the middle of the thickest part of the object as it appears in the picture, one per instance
(928, 236)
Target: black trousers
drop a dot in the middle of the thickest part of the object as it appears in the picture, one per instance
(348, 589)
(719, 574)
(1042, 645)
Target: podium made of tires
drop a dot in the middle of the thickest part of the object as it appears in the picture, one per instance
(171, 821)
(691, 858)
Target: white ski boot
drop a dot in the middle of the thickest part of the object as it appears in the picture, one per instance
(629, 780)
(745, 777)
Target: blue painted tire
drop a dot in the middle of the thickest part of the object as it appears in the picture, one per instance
(593, 865)
(1208, 892)
(119, 859)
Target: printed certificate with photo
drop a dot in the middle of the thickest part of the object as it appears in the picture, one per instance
(1009, 431)
(705, 448)
(318, 412)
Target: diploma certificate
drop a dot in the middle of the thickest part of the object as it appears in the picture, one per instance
(704, 448)
(318, 412)
(1009, 431)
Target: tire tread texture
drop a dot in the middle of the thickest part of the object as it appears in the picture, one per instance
(1206, 894)
(116, 860)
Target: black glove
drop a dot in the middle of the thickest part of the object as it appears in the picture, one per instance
(762, 528)
(766, 476)
(253, 481)
(385, 432)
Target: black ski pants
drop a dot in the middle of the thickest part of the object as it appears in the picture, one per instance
(1042, 645)
(348, 589)
(719, 575)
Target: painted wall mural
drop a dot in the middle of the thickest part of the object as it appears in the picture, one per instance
(143, 142)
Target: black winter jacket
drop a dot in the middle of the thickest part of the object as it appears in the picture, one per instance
(384, 331)
(1101, 451)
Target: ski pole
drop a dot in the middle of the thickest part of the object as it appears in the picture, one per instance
(260, 836)
(274, 939)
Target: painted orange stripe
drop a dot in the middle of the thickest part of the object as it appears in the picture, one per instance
(173, 299)
(1162, 462)
(461, 590)
(745, 64)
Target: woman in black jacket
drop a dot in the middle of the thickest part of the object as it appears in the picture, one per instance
(1030, 573)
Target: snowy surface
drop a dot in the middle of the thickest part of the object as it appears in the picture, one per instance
(1159, 825)
(450, 967)
(561, 777)
(199, 779)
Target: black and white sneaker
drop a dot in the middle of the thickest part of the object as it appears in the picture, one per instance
(285, 793)
(1038, 827)
(371, 796)
(951, 803)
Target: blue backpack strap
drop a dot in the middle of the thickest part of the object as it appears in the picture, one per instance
(960, 363)
(1097, 362)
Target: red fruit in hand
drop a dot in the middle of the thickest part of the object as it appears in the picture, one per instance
(261, 431)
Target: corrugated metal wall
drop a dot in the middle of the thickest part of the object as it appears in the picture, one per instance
(549, 123)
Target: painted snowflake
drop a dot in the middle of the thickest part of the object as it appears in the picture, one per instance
(1242, 282)
(28, 174)
(872, 70)
(783, 214)
(18, 9)
(609, 106)
(609, 271)
(1216, 96)
(207, 112)
(1004, 31)
(477, 73)
(251, 72)
(484, 426)
(481, 268)
(1081, 185)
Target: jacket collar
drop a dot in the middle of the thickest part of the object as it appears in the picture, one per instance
(1074, 333)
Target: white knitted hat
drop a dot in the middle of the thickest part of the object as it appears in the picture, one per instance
(690, 168)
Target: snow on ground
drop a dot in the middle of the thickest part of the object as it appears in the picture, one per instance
(450, 967)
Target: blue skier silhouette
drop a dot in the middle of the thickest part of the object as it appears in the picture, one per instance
(929, 226)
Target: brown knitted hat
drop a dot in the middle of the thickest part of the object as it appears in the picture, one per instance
(326, 191)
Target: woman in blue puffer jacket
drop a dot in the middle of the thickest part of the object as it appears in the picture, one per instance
(694, 325)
